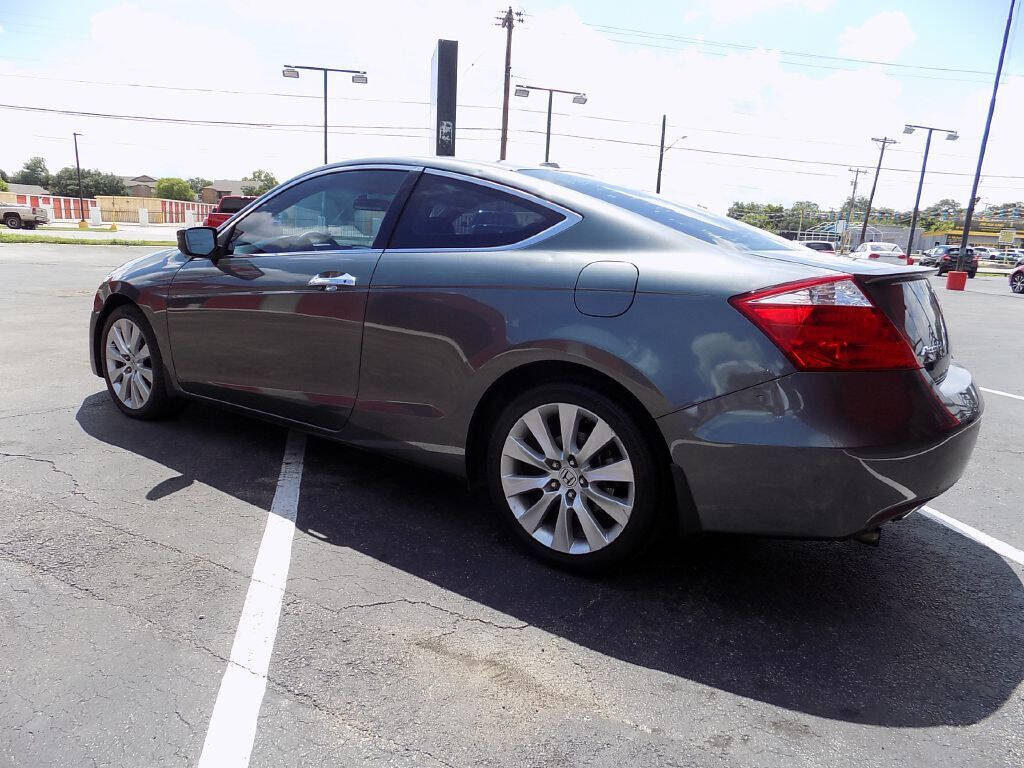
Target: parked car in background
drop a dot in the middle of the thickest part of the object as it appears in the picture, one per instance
(597, 357)
(15, 216)
(890, 253)
(1019, 259)
(1017, 279)
(1001, 257)
(227, 207)
(946, 256)
(822, 246)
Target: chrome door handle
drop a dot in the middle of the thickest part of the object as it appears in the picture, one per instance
(331, 282)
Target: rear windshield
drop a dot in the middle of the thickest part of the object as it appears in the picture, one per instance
(689, 220)
(233, 204)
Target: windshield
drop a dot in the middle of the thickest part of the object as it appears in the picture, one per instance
(689, 220)
(233, 204)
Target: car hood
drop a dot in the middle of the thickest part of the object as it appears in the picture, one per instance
(169, 259)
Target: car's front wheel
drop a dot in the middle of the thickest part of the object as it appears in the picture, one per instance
(574, 476)
(1017, 283)
(132, 366)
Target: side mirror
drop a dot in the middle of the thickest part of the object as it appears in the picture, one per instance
(198, 241)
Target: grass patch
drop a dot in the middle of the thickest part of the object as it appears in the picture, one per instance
(6, 237)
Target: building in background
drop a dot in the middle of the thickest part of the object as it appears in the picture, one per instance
(26, 189)
(140, 186)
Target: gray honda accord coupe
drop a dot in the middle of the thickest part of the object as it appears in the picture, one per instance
(602, 360)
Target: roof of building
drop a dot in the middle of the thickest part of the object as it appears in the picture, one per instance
(143, 179)
(27, 189)
(229, 186)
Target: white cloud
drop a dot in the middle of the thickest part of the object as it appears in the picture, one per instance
(726, 11)
(884, 36)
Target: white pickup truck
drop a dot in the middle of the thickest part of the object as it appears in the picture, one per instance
(16, 216)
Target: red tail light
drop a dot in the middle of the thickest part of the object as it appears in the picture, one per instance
(827, 324)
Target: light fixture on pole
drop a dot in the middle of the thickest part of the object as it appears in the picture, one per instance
(950, 136)
(358, 76)
(577, 98)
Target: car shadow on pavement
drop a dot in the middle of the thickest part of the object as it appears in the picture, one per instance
(926, 630)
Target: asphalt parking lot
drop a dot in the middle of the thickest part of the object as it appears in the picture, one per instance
(412, 630)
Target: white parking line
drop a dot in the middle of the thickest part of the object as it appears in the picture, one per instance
(232, 729)
(1000, 392)
(997, 546)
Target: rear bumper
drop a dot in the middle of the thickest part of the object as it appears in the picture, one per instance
(824, 455)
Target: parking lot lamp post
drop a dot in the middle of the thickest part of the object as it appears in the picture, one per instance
(961, 259)
(577, 98)
(950, 136)
(358, 76)
(82, 223)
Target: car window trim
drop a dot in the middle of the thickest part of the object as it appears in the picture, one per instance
(569, 217)
(414, 172)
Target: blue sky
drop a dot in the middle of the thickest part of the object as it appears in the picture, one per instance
(759, 124)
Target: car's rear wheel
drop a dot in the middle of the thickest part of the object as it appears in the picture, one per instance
(132, 366)
(573, 475)
(13, 221)
(1017, 283)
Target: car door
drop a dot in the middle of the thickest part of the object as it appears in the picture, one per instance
(275, 323)
(457, 286)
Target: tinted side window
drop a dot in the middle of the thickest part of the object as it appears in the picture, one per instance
(689, 220)
(443, 212)
(330, 212)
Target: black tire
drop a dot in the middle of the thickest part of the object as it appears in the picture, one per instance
(30, 226)
(649, 483)
(1017, 284)
(160, 403)
(13, 221)
(971, 274)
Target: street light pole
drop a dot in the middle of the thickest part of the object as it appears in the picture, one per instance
(81, 200)
(950, 136)
(661, 154)
(962, 255)
(358, 76)
(547, 135)
(577, 98)
(883, 143)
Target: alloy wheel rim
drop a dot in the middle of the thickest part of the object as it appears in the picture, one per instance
(1018, 283)
(129, 364)
(567, 478)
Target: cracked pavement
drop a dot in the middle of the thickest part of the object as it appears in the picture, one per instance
(414, 633)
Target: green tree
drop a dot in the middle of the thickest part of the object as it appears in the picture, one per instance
(944, 209)
(33, 172)
(760, 220)
(4, 176)
(258, 182)
(94, 182)
(172, 188)
(3, 185)
(860, 205)
(197, 183)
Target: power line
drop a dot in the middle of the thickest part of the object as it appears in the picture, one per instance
(609, 29)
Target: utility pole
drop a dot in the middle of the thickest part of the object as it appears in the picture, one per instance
(962, 255)
(853, 198)
(508, 20)
(663, 150)
(82, 224)
(661, 154)
(882, 143)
